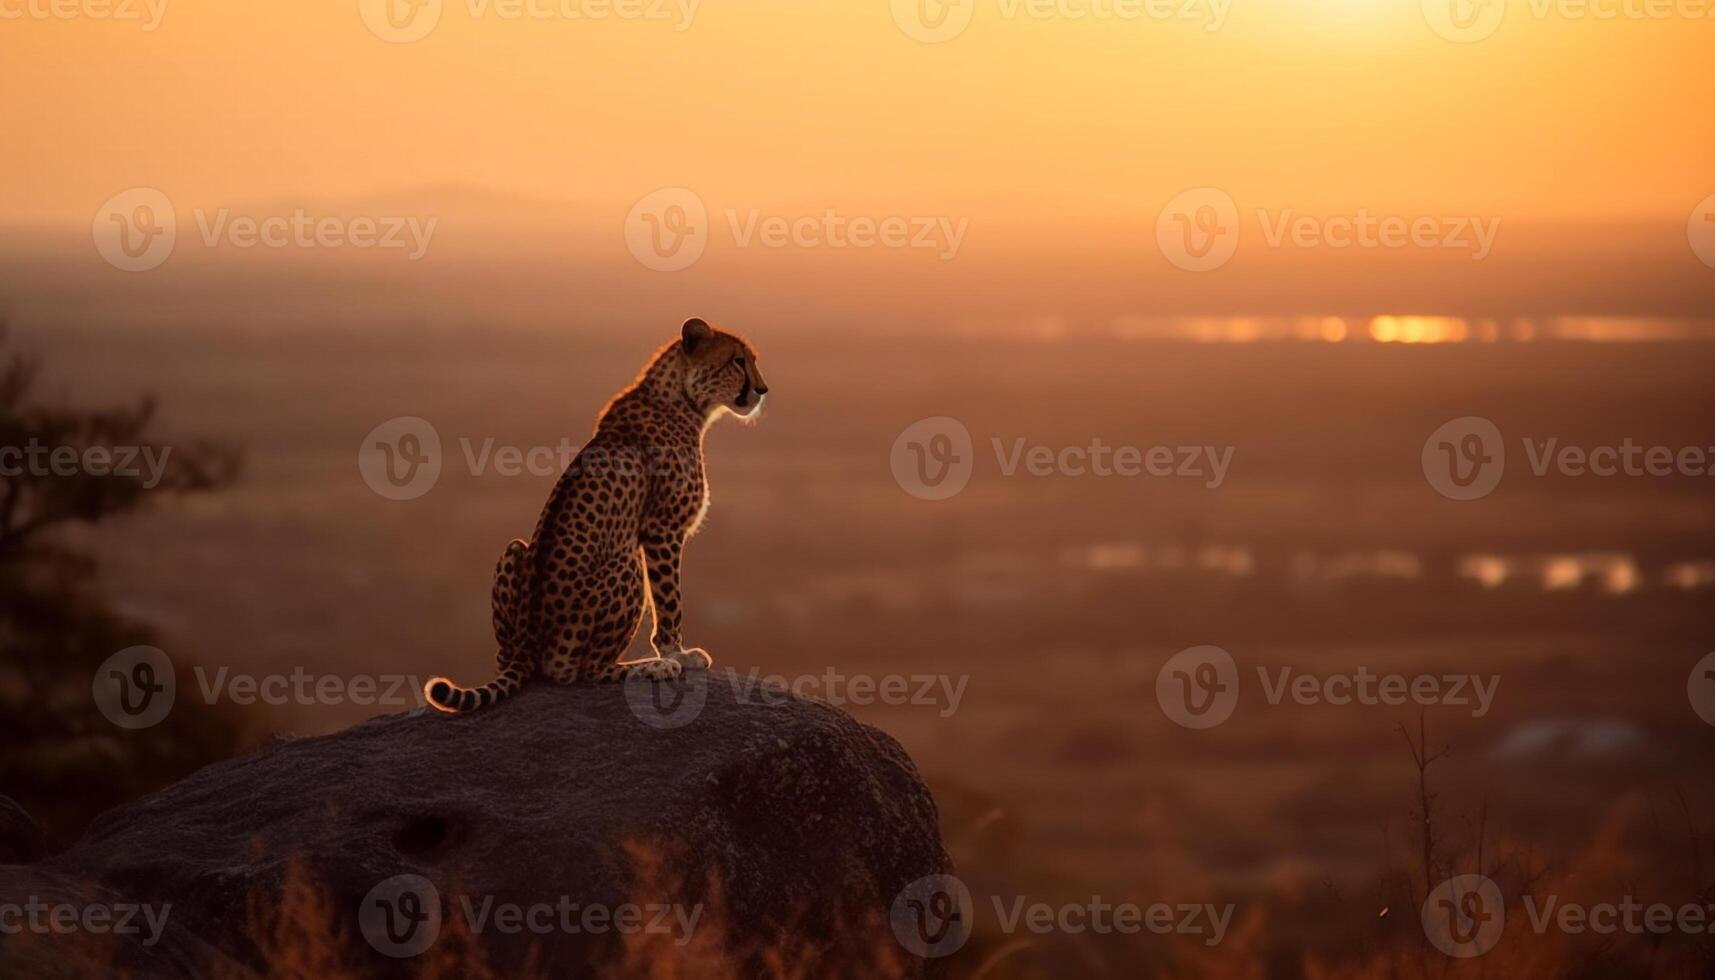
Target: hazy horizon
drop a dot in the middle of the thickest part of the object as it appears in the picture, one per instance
(491, 257)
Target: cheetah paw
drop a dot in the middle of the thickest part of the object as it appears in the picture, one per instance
(693, 658)
(659, 669)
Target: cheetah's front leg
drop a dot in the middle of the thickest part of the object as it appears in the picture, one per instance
(661, 557)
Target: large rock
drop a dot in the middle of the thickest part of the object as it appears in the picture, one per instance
(741, 827)
(60, 927)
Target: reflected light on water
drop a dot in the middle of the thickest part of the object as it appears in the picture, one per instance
(1690, 575)
(1390, 328)
(1003, 578)
(1615, 574)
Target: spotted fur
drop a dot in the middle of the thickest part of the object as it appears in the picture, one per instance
(568, 602)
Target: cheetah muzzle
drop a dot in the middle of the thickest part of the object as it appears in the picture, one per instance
(568, 602)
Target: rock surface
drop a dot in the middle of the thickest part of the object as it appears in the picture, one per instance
(128, 941)
(740, 824)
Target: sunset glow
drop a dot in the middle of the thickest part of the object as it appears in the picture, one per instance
(1053, 138)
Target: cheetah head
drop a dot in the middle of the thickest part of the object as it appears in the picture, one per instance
(721, 373)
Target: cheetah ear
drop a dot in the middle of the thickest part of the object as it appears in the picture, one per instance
(696, 333)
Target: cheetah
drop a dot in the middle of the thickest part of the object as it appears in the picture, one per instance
(568, 602)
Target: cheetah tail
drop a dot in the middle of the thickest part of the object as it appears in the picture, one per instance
(444, 695)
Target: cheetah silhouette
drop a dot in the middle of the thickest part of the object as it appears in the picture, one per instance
(568, 602)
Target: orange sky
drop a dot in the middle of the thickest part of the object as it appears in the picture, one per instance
(1032, 121)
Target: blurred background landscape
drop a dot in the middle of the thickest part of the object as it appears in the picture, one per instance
(1057, 598)
(1059, 320)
